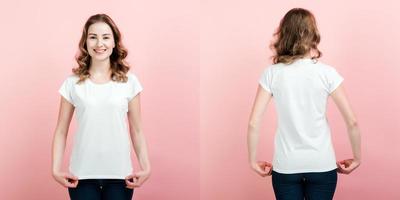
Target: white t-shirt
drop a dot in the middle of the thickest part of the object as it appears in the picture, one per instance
(101, 145)
(303, 139)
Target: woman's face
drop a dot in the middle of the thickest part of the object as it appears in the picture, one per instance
(100, 41)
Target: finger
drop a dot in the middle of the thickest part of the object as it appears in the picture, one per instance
(262, 173)
(137, 184)
(129, 182)
(69, 184)
(261, 162)
(352, 167)
(271, 168)
(347, 162)
(140, 181)
(339, 168)
(129, 177)
(269, 172)
(137, 175)
(72, 180)
(346, 169)
(350, 162)
(75, 184)
(70, 176)
(129, 185)
(341, 164)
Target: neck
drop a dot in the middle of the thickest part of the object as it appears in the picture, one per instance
(311, 54)
(99, 67)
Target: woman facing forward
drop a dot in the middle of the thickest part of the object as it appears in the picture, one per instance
(104, 94)
(304, 163)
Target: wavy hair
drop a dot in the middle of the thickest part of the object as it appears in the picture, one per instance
(296, 36)
(118, 66)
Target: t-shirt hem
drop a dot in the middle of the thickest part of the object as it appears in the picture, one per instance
(133, 95)
(336, 85)
(101, 177)
(288, 171)
(65, 97)
(264, 87)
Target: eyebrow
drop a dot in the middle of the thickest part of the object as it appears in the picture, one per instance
(96, 34)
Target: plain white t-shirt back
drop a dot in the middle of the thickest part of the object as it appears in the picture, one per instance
(101, 146)
(300, 91)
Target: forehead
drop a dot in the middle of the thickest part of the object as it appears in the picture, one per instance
(99, 28)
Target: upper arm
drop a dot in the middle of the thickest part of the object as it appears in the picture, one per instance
(261, 101)
(134, 116)
(66, 111)
(341, 101)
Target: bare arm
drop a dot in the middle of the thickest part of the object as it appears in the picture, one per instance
(262, 99)
(139, 143)
(65, 114)
(340, 99)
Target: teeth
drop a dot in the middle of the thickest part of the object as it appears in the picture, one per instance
(102, 50)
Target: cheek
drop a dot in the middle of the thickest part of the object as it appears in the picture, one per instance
(90, 44)
(110, 44)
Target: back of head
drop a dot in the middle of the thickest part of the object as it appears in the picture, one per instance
(296, 37)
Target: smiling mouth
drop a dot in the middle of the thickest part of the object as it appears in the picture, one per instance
(99, 50)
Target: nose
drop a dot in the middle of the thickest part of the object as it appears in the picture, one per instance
(99, 43)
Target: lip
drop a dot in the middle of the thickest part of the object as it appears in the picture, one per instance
(99, 50)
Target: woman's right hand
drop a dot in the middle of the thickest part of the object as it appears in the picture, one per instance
(262, 168)
(66, 179)
(347, 166)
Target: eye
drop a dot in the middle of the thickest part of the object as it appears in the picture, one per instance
(92, 37)
(106, 38)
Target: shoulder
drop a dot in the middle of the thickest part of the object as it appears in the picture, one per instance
(323, 67)
(273, 68)
(132, 77)
(71, 78)
(133, 80)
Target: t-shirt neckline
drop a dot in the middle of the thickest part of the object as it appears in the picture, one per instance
(309, 60)
(99, 84)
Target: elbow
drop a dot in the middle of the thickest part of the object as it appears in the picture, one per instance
(352, 124)
(135, 132)
(253, 124)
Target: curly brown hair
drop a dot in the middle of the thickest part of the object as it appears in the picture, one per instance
(118, 66)
(296, 36)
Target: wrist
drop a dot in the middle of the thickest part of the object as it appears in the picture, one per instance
(147, 170)
(253, 164)
(56, 171)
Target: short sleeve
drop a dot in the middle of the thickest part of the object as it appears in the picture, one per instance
(66, 89)
(334, 79)
(266, 80)
(135, 87)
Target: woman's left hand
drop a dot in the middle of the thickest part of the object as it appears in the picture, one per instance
(347, 166)
(137, 179)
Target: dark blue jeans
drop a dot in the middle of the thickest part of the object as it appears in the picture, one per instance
(101, 189)
(300, 186)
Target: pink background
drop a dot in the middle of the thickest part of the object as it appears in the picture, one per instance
(359, 38)
(40, 39)
(199, 64)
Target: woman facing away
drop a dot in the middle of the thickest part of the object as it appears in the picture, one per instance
(104, 94)
(304, 164)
